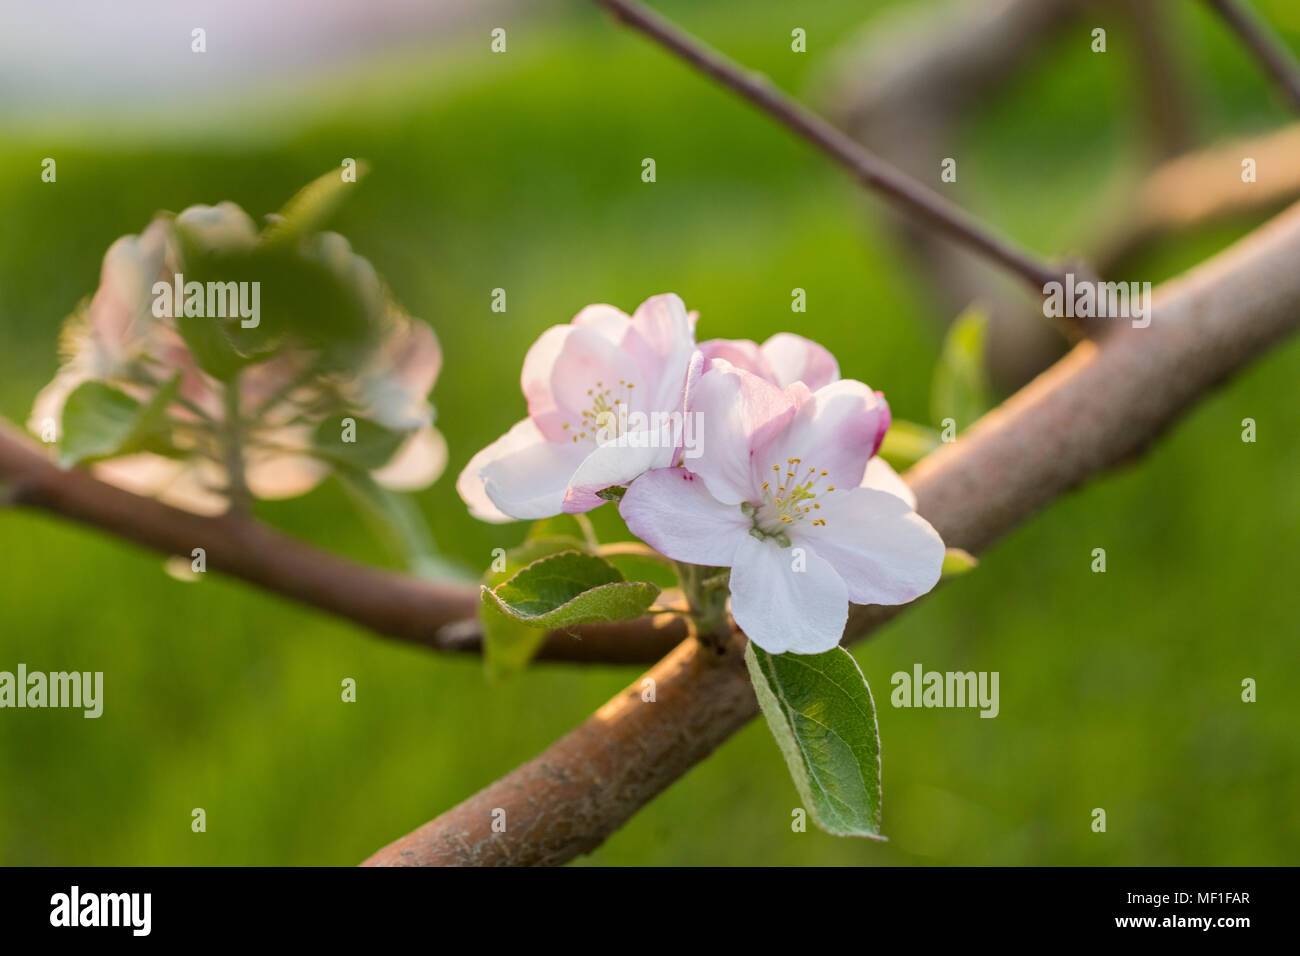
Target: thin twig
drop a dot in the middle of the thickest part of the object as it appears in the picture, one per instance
(1099, 406)
(1279, 62)
(868, 168)
(437, 615)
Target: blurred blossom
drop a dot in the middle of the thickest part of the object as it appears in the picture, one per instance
(278, 416)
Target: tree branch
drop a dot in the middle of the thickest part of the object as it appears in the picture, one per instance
(432, 614)
(1277, 60)
(868, 168)
(1098, 407)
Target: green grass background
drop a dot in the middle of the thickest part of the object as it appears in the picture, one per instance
(1118, 690)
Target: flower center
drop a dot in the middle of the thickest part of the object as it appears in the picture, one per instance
(601, 420)
(788, 498)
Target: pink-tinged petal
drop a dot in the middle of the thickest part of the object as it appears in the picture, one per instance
(398, 378)
(275, 475)
(885, 551)
(661, 339)
(692, 436)
(672, 511)
(590, 370)
(609, 322)
(742, 353)
(617, 463)
(123, 303)
(535, 380)
(195, 485)
(470, 483)
(418, 462)
(834, 432)
(880, 476)
(783, 609)
(661, 327)
(739, 414)
(524, 476)
(420, 358)
(886, 419)
(794, 358)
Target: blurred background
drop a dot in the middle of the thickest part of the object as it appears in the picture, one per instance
(522, 171)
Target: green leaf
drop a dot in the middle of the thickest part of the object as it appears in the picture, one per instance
(571, 588)
(533, 549)
(906, 443)
(820, 711)
(961, 389)
(99, 421)
(311, 209)
(373, 445)
(956, 562)
(508, 644)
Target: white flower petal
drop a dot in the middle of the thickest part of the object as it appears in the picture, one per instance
(881, 476)
(738, 413)
(469, 485)
(884, 551)
(741, 353)
(794, 358)
(525, 476)
(194, 484)
(418, 462)
(781, 609)
(834, 431)
(672, 511)
(616, 463)
(273, 475)
(609, 322)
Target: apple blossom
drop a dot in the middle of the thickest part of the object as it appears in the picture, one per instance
(789, 496)
(270, 409)
(783, 359)
(600, 392)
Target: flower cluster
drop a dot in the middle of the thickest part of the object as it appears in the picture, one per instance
(257, 401)
(785, 488)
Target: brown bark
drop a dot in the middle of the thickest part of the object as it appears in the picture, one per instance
(432, 614)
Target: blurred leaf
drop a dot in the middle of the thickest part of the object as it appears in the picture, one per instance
(906, 443)
(961, 389)
(565, 525)
(957, 562)
(571, 588)
(209, 342)
(819, 709)
(508, 644)
(311, 208)
(374, 445)
(402, 523)
(99, 421)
